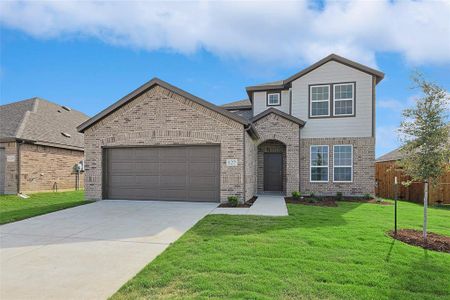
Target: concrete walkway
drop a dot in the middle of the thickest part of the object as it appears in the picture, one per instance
(90, 251)
(265, 205)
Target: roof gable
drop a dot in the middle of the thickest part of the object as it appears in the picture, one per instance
(145, 87)
(277, 112)
(283, 84)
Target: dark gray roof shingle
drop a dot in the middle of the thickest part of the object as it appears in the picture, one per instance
(41, 121)
(239, 103)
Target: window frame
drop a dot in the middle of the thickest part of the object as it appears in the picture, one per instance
(311, 86)
(273, 93)
(327, 166)
(351, 165)
(345, 99)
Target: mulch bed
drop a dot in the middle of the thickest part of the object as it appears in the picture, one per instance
(322, 201)
(331, 201)
(365, 200)
(436, 242)
(246, 204)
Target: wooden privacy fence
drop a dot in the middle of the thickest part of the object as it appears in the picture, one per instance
(385, 173)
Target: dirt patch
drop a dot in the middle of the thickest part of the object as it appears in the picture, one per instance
(436, 242)
(322, 201)
(246, 204)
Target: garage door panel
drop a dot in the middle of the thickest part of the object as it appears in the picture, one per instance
(183, 173)
(199, 169)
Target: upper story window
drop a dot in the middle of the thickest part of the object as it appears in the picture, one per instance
(273, 99)
(318, 163)
(344, 99)
(319, 100)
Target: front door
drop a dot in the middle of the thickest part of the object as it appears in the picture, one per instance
(273, 172)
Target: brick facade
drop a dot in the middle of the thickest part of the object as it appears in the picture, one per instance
(40, 168)
(161, 117)
(363, 167)
(274, 127)
(250, 167)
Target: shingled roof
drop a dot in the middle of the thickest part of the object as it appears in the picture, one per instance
(240, 104)
(42, 122)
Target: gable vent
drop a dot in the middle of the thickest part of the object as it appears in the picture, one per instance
(66, 108)
(66, 134)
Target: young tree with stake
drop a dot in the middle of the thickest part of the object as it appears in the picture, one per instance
(424, 133)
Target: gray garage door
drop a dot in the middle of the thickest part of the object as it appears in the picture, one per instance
(2, 170)
(182, 173)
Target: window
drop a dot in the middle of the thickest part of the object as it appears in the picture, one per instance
(319, 164)
(273, 99)
(343, 163)
(343, 99)
(320, 100)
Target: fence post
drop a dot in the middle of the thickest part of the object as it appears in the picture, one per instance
(395, 206)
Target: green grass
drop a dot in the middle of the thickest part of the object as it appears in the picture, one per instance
(14, 208)
(315, 253)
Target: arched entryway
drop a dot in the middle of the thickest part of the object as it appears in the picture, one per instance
(272, 167)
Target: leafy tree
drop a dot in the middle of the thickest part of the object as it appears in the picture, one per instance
(425, 138)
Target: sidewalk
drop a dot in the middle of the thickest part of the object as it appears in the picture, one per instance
(265, 205)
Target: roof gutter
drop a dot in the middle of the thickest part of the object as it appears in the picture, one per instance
(251, 130)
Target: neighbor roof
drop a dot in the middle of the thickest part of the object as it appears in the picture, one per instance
(240, 104)
(43, 122)
(145, 87)
(393, 155)
(282, 84)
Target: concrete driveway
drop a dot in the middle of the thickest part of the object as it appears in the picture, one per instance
(90, 251)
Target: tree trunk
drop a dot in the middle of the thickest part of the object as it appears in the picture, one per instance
(425, 206)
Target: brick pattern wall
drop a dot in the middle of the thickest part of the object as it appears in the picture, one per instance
(42, 166)
(363, 167)
(270, 146)
(250, 167)
(11, 170)
(274, 127)
(160, 117)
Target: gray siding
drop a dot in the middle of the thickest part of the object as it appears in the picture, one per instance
(334, 72)
(260, 102)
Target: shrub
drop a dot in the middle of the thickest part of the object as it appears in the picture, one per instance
(296, 195)
(312, 194)
(368, 196)
(233, 201)
(313, 200)
(339, 196)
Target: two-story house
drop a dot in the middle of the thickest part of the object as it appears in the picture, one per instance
(312, 132)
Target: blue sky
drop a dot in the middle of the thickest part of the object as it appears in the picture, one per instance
(72, 58)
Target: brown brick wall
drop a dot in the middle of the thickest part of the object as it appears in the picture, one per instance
(250, 167)
(274, 127)
(42, 166)
(363, 167)
(10, 168)
(160, 117)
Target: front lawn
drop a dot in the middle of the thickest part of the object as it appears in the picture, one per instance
(314, 253)
(14, 208)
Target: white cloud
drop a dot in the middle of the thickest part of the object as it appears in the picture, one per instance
(391, 104)
(289, 33)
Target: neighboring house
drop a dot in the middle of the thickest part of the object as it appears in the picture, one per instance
(39, 146)
(386, 170)
(313, 132)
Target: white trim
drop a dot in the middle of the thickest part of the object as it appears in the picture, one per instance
(343, 99)
(278, 97)
(327, 166)
(311, 101)
(351, 166)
